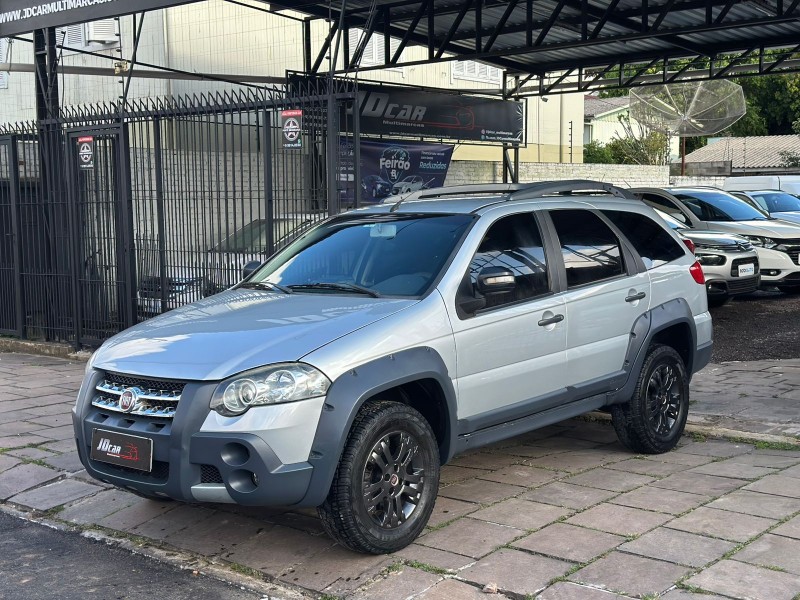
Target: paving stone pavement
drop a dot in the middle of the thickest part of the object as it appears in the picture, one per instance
(563, 513)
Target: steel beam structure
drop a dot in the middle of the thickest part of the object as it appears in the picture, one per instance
(557, 46)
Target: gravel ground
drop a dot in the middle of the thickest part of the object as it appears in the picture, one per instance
(761, 326)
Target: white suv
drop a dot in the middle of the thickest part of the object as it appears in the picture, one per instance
(384, 341)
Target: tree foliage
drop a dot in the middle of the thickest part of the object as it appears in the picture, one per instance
(596, 152)
(639, 145)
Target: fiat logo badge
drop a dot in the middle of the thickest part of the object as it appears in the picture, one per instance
(129, 399)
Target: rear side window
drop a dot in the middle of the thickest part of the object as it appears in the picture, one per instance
(590, 249)
(652, 242)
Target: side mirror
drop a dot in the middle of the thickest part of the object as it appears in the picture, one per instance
(250, 268)
(495, 280)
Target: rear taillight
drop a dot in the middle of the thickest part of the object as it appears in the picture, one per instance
(697, 273)
(689, 244)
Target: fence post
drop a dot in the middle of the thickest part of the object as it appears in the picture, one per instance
(162, 225)
(269, 194)
(333, 152)
(125, 206)
(16, 232)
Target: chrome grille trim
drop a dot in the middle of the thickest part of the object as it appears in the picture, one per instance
(151, 402)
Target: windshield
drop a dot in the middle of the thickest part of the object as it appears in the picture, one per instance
(777, 201)
(383, 254)
(713, 205)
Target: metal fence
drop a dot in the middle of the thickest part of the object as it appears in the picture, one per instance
(110, 215)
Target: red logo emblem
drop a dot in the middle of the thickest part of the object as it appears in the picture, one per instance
(129, 399)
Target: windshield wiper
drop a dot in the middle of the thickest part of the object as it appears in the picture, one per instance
(264, 285)
(346, 287)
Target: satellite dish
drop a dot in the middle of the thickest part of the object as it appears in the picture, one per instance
(689, 108)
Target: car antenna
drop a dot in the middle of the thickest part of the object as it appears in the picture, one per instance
(397, 204)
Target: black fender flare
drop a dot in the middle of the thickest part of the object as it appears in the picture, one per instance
(645, 328)
(347, 395)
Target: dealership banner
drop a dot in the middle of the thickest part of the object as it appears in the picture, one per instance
(391, 167)
(387, 110)
(22, 16)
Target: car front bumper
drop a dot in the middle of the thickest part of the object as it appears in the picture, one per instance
(777, 268)
(191, 463)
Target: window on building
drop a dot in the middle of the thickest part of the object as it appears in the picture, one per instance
(476, 71)
(3, 59)
(102, 34)
(375, 52)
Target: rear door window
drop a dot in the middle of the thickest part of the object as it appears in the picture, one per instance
(591, 251)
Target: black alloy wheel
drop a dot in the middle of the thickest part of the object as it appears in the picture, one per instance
(385, 486)
(653, 420)
(393, 480)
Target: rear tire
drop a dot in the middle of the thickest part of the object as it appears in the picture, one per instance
(653, 420)
(386, 483)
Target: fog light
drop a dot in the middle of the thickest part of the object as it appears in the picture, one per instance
(255, 480)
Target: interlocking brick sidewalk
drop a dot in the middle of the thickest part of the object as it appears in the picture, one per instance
(561, 513)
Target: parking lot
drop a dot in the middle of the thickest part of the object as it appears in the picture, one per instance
(760, 326)
(559, 513)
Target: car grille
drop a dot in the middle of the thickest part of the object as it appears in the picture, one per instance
(210, 474)
(152, 398)
(743, 286)
(160, 471)
(742, 261)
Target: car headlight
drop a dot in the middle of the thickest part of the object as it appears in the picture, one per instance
(761, 242)
(711, 259)
(276, 384)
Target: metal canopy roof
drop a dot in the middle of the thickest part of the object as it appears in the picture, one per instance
(575, 45)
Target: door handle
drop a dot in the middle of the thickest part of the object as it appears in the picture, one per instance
(551, 321)
(635, 297)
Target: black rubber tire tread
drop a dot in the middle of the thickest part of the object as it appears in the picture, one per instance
(337, 513)
(630, 421)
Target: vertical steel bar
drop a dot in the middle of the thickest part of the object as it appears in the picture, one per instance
(158, 168)
(268, 184)
(356, 150)
(16, 234)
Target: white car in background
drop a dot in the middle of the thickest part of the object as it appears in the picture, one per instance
(730, 262)
(777, 242)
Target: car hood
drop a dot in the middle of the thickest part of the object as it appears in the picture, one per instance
(793, 217)
(713, 238)
(772, 228)
(238, 330)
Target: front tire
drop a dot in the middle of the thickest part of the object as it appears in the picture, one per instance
(654, 419)
(386, 483)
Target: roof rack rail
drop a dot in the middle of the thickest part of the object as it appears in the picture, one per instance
(552, 188)
(514, 191)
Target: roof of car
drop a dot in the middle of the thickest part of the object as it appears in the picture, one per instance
(476, 198)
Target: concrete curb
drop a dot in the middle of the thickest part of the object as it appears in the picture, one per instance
(55, 349)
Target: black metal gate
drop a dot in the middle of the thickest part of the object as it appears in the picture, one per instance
(116, 215)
